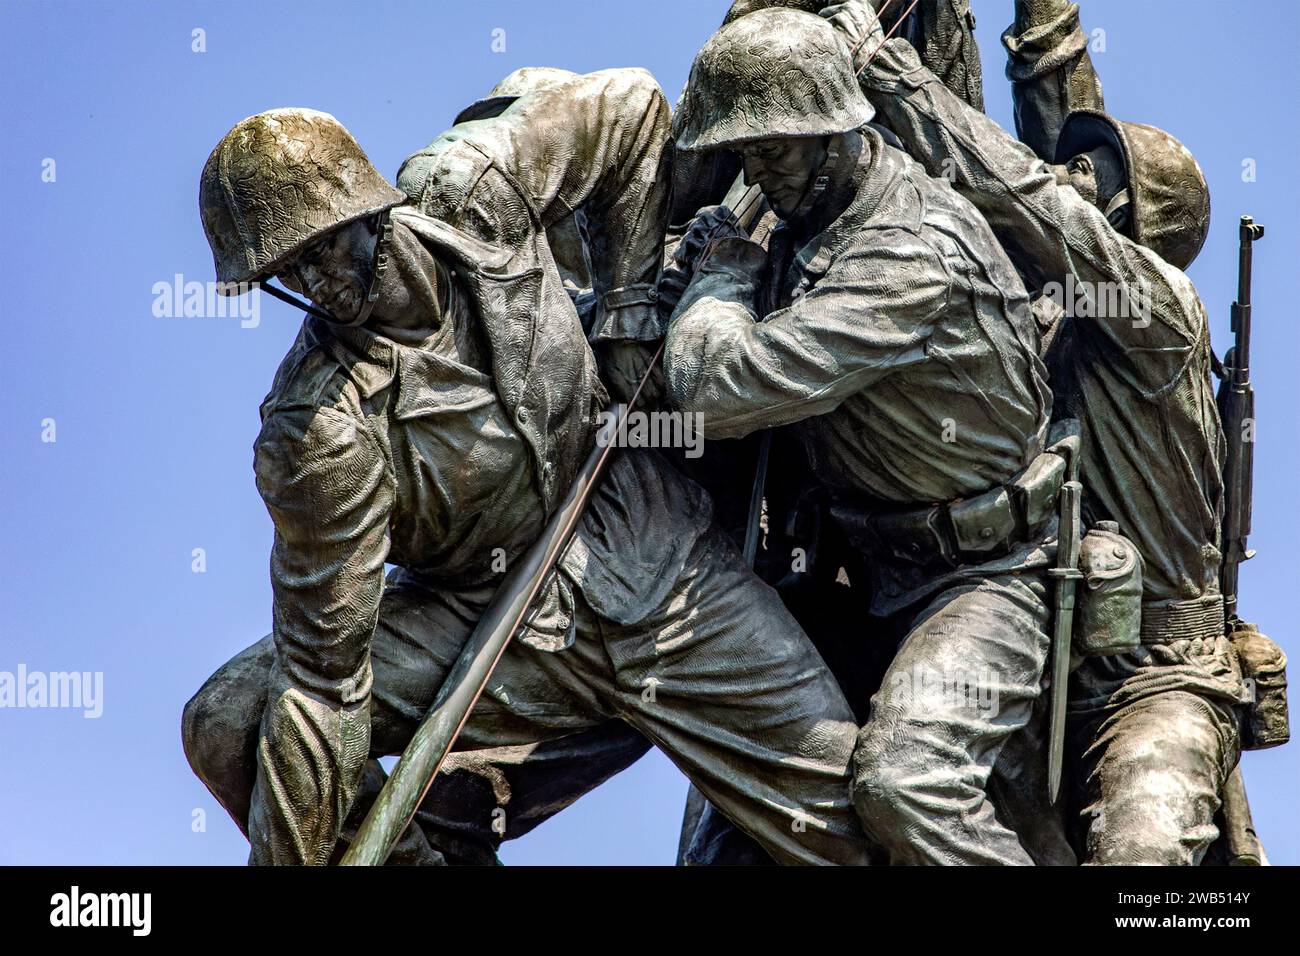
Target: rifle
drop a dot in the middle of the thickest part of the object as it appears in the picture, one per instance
(1236, 401)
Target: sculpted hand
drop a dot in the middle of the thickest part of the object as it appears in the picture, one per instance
(709, 225)
(732, 272)
(736, 256)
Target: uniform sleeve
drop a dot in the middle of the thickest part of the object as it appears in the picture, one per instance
(329, 492)
(871, 313)
(1051, 71)
(601, 143)
(1145, 308)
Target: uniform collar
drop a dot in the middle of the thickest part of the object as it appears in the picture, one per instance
(876, 179)
(368, 353)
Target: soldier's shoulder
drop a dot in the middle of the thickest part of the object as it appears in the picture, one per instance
(930, 197)
(905, 241)
(311, 377)
(1179, 281)
(451, 163)
(441, 177)
(313, 421)
(1167, 291)
(301, 452)
(951, 226)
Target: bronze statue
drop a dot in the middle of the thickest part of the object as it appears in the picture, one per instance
(433, 422)
(1114, 210)
(967, 522)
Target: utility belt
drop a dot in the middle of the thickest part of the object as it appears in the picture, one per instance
(1104, 609)
(1164, 622)
(967, 531)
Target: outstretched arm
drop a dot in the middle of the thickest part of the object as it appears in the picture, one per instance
(599, 142)
(1051, 71)
(329, 493)
(1147, 309)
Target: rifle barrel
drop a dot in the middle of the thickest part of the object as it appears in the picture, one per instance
(1236, 402)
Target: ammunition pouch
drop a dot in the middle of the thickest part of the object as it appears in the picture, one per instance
(1263, 667)
(1108, 609)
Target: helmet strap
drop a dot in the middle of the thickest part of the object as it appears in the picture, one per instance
(1115, 208)
(821, 182)
(293, 300)
(380, 265)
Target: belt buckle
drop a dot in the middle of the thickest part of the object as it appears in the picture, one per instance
(939, 521)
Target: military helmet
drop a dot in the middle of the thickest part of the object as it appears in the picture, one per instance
(279, 180)
(770, 73)
(526, 79)
(1168, 192)
(742, 8)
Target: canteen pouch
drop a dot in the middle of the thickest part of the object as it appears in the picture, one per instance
(1108, 612)
(1263, 667)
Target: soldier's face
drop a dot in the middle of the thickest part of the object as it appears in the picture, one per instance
(784, 169)
(1097, 176)
(334, 272)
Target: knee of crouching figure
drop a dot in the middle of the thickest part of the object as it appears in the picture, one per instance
(207, 739)
(219, 729)
(880, 785)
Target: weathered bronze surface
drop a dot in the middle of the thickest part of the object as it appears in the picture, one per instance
(950, 385)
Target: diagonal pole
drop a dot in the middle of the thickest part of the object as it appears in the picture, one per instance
(888, 36)
(423, 757)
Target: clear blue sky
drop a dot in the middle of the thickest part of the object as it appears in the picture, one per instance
(156, 416)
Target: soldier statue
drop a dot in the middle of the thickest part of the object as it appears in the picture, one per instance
(962, 374)
(432, 422)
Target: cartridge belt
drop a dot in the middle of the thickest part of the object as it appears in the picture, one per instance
(1167, 621)
(967, 531)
